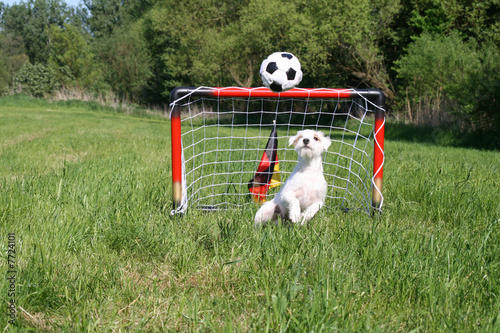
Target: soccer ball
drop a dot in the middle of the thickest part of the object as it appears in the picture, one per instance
(281, 71)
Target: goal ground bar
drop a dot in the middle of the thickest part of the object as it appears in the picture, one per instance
(373, 95)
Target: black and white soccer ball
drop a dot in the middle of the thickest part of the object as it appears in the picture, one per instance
(281, 71)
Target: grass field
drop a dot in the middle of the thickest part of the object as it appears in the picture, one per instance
(85, 196)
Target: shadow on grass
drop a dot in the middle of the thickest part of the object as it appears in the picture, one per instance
(446, 136)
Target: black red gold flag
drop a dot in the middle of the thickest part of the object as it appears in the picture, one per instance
(267, 175)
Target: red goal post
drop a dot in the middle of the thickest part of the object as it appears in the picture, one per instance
(374, 96)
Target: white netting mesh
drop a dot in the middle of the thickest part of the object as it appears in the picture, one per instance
(223, 140)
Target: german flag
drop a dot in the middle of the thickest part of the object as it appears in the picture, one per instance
(267, 175)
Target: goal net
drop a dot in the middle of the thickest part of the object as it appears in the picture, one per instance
(219, 139)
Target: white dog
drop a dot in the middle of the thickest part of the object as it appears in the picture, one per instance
(304, 192)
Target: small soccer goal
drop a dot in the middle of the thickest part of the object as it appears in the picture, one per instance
(220, 135)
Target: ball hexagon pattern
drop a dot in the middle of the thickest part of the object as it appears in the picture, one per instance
(281, 71)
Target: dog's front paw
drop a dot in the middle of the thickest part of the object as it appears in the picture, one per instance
(259, 221)
(310, 212)
(295, 216)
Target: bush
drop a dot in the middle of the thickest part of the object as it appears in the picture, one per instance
(36, 80)
(448, 75)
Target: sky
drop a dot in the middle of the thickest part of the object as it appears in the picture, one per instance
(69, 2)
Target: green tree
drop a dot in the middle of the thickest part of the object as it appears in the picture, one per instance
(31, 20)
(126, 61)
(269, 26)
(477, 19)
(438, 63)
(4, 76)
(356, 31)
(12, 57)
(449, 68)
(187, 42)
(71, 58)
(105, 16)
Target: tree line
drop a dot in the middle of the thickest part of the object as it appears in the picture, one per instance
(435, 60)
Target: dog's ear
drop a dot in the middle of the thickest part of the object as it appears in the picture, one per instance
(325, 140)
(294, 139)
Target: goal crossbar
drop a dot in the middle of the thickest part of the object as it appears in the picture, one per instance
(181, 97)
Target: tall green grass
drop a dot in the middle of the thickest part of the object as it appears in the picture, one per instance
(88, 196)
